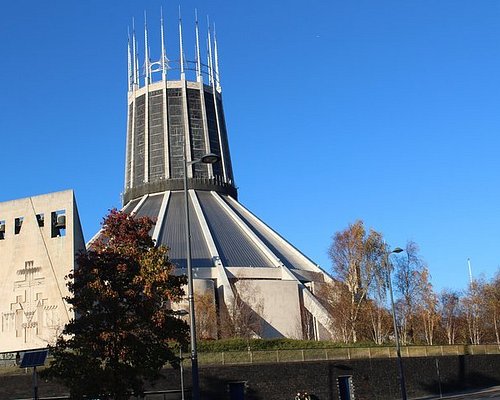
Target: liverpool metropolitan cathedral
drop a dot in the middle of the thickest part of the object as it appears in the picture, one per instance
(175, 116)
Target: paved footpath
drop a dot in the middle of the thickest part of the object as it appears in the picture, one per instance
(490, 393)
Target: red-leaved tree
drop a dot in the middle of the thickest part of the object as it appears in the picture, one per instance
(124, 327)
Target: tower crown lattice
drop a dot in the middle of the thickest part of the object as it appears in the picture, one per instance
(147, 72)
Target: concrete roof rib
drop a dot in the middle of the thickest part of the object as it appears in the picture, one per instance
(240, 238)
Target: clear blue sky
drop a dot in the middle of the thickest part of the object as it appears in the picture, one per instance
(386, 111)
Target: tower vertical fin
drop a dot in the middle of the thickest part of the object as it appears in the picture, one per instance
(163, 49)
(147, 81)
(131, 116)
(212, 82)
(181, 49)
(129, 133)
(146, 52)
(135, 62)
(164, 66)
(198, 60)
(210, 64)
(129, 62)
(216, 53)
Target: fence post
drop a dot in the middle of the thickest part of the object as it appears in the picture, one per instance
(303, 358)
(348, 353)
(223, 358)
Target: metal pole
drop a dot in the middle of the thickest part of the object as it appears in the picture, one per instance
(35, 384)
(182, 373)
(439, 379)
(192, 320)
(396, 334)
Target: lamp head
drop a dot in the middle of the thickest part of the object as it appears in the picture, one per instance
(209, 158)
(397, 250)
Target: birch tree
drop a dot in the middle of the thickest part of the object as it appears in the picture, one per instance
(357, 259)
(492, 304)
(409, 268)
(427, 307)
(474, 305)
(449, 308)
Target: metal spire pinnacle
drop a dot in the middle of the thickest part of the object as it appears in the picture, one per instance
(135, 62)
(198, 60)
(163, 51)
(183, 76)
(217, 76)
(129, 62)
(146, 52)
(210, 65)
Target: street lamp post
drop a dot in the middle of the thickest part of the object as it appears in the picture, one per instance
(396, 334)
(181, 313)
(182, 372)
(206, 159)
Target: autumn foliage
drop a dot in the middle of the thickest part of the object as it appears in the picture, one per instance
(357, 298)
(124, 327)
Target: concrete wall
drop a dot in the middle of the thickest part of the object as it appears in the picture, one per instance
(277, 303)
(372, 379)
(34, 260)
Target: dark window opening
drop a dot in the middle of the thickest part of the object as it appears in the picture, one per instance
(40, 218)
(18, 223)
(2, 230)
(346, 389)
(58, 219)
(237, 390)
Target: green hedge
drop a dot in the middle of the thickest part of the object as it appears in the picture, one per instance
(238, 344)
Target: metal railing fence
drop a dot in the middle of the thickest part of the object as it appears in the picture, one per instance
(7, 360)
(340, 353)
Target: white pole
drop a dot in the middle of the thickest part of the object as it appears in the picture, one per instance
(470, 271)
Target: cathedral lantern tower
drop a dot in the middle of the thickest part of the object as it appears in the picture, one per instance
(173, 117)
(175, 113)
